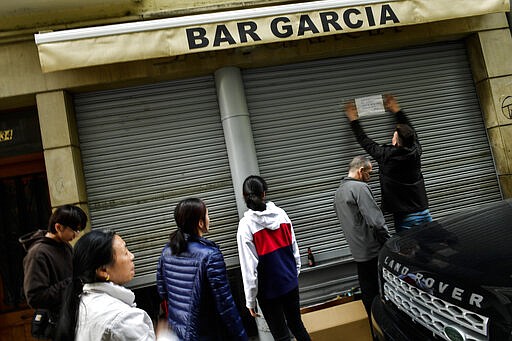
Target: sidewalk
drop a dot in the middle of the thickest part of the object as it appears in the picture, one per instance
(346, 321)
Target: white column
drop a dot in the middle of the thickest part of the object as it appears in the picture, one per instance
(237, 130)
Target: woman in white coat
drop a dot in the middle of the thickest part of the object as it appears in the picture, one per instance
(97, 306)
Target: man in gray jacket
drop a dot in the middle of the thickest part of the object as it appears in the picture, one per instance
(363, 224)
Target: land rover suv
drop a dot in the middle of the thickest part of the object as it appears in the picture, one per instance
(448, 280)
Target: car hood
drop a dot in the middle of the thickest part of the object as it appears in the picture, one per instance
(474, 245)
(465, 259)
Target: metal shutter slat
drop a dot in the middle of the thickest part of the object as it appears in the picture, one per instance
(145, 148)
(304, 143)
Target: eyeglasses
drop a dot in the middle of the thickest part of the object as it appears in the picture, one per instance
(77, 229)
(369, 172)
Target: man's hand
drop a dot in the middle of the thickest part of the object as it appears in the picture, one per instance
(391, 104)
(381, 234)
(253, 312)
(351, 111)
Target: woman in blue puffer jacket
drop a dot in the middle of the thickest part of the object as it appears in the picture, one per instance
(191, 277)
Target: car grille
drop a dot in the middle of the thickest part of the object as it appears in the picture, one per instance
(433, 313)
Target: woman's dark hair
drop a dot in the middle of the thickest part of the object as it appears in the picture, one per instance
(254, 189)
(187, 215)
(68, 215)
(92, 251)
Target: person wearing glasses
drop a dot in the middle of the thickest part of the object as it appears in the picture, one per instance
(48, 266)
(401, 181)
(363, 224)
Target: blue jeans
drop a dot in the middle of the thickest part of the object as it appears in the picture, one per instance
(404, 222)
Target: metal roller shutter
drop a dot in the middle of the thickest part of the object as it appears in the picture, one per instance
(144, 149)
(304, 143)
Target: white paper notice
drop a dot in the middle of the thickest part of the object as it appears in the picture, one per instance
(370, 105)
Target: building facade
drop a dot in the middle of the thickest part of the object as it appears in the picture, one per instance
(127, 107)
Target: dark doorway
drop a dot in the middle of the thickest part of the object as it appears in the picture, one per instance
(24, 207)
(24, 198)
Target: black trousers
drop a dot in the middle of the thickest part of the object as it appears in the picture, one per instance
(282, 313)
(367, 273)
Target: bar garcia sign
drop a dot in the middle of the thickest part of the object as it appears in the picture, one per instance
(289, 27)
(223, 30)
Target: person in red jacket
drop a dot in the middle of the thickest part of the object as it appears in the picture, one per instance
(270, 262)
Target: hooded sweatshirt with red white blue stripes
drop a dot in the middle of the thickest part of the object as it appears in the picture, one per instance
(269, 254)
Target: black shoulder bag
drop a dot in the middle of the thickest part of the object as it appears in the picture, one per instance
(44, 324)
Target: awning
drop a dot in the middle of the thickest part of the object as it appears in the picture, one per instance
(62, 50)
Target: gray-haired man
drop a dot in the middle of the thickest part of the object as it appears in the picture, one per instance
(363, 224)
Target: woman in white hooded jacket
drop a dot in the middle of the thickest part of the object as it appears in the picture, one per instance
(270, 262)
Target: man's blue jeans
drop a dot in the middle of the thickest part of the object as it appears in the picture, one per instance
(406, 221)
